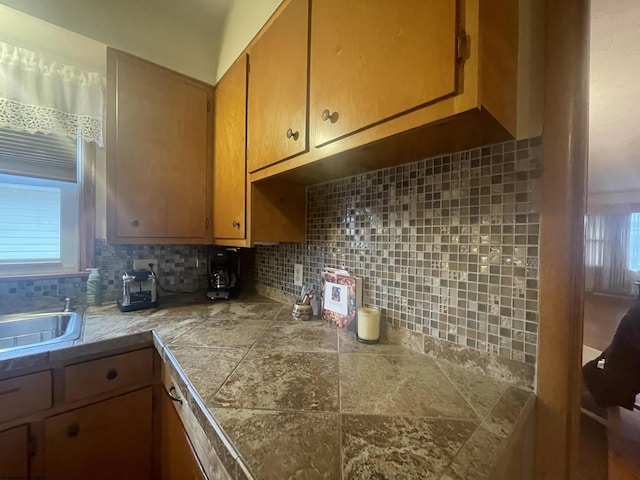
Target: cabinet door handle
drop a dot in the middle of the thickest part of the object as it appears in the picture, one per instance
(112, 374)
(135, 223)
(173, 396)
(327, 115)
(73, 430)
(236, 224)
(292, 134)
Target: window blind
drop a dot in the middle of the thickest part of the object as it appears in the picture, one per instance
(53, 157)
(634, 242)
(29, 222)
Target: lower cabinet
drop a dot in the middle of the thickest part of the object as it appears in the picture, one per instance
(178, 459)
(101, 419)
(14, 453)
(107, 440)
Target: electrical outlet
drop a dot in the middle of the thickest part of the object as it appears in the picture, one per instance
(297, 274)
(143, 263)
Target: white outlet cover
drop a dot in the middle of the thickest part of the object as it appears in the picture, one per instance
(143, 263)
(297, 274)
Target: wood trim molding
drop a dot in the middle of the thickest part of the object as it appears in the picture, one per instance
(561, 271)
(87, 215)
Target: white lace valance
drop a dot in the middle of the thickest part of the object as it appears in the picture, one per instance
(38, 94)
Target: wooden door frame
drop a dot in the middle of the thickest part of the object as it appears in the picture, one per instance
(561, 273)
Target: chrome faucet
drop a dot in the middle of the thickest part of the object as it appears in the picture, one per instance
(67, 305)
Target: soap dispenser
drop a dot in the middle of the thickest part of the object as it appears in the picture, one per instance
(94, 291)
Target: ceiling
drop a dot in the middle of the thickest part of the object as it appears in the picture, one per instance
(209, 14)
(614, 110)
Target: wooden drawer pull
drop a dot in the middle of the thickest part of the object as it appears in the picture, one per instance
(73, 430)
(112, 374)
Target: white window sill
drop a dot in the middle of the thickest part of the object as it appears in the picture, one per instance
(40, 275)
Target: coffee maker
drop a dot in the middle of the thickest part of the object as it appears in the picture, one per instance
(138, 290)
(224, 273)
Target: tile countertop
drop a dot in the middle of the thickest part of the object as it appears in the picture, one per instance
(306, 400)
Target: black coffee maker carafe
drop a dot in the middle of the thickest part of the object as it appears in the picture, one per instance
(224, 273)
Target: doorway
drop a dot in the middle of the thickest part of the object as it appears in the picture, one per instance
(610, 438)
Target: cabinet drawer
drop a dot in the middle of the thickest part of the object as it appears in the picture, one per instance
(105, 374)
(25, 395)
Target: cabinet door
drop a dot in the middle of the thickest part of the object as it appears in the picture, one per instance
(158, 166)
(277, 108)
(229, 165)
(372, 60)
(178, 459)
(14, 452)
(106, 440)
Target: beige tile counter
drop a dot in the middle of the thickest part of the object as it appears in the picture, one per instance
(304, 400)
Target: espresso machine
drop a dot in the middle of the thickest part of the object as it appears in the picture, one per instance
(224, 273)
(138, 290)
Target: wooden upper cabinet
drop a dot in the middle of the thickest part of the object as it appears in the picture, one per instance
(229, 165)
(158, 153)
(277, 103)
(372, 60)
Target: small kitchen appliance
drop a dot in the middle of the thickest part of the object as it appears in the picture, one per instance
(224, 273)
(138, 290)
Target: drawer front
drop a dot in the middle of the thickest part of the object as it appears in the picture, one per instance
(105, 374)
(25, 395)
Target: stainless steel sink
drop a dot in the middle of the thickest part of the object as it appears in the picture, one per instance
(22, 334)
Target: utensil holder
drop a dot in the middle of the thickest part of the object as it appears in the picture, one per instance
(301, 312)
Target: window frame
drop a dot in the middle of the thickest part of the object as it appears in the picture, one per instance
(85, 228)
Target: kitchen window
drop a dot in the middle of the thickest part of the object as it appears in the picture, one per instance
(594, 240)
(41, 188)
(51, 116)
(634, 242)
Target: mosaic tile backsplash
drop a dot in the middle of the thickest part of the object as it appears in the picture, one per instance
(447, 246)
(176, 269)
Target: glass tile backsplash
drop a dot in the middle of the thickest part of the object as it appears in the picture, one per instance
(447, 246)
(176, 269)
(181, 268)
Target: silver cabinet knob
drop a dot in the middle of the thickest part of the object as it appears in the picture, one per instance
(135, 223)
(327, 115)
(292, 134)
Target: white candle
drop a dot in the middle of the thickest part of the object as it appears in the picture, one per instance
(368, 325)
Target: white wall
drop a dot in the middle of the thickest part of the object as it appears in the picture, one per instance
(243, 22)
(19, 29)
(155, 30)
